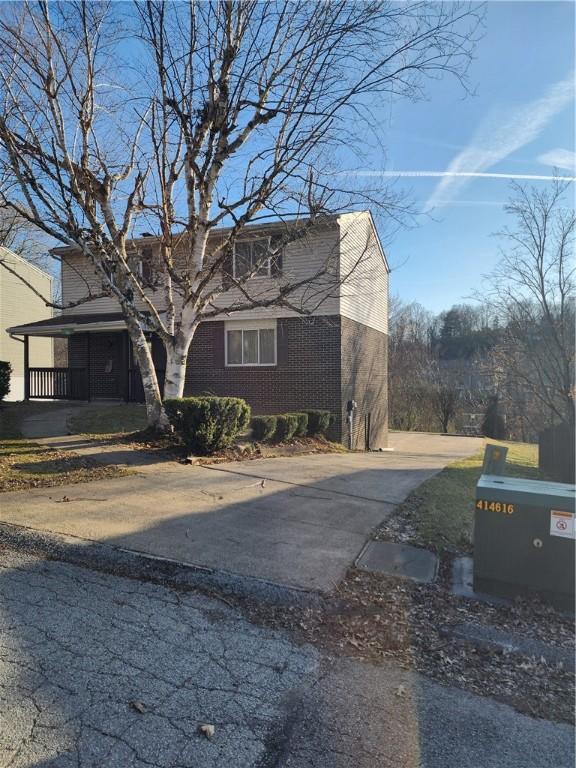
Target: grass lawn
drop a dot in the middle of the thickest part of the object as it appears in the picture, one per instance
(439, 515)
(25, 464)
(108, 420)
(12, 414)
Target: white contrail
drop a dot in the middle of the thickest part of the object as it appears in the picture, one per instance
(501, 133)
(462, 174)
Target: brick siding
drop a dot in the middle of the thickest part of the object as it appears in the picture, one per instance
(307, 374)
(365, 379)
(322, 362)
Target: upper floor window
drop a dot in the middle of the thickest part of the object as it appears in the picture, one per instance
(252, 257)
(146, 267)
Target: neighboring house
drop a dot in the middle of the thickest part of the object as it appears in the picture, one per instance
(18, 305)
(277, 359)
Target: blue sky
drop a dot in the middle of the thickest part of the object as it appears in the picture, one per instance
(520, 121)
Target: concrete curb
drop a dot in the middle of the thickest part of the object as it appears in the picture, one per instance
(144, 567)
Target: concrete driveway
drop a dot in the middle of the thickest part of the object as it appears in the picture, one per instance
(297, 521)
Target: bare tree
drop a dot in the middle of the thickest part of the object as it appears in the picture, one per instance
(445, 395)
(22, 237)
(533, 290)
(409, 360)
(181, 117)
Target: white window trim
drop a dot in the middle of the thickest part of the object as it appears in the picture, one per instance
(269, 260)
(251, 325)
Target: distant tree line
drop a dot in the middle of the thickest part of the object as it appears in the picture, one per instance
(503, 366)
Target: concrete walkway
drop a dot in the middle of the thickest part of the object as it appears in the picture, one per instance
(51, 423)
(297, 521)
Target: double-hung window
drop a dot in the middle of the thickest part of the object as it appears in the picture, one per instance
(252, 257)
(251, 344)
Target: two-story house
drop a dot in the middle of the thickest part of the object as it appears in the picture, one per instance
(278, 359)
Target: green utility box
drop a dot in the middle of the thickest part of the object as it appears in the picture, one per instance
(524, 539)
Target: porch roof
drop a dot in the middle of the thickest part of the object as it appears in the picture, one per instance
(66, 325)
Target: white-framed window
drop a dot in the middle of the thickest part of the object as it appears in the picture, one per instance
(250, 343)
(252, 257)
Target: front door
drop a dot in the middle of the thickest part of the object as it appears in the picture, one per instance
(106, 366)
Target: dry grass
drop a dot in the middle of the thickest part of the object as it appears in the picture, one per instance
(108, 420)
(25, 465)
(440, 513)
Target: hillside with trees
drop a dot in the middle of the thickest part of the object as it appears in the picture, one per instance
(503, 366)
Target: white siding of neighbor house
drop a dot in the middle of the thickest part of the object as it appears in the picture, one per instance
(364, 272)
(20, 305)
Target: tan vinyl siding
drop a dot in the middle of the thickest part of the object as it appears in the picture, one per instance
(79, 280)
(364, 292)
(20, 305)
(302, 259)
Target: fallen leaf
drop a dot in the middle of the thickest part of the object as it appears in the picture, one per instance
(139, 706)
(208, 730)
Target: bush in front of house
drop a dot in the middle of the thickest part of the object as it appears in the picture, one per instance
(318, 422)
(286, 426)
(263, 427)
(302, 423)
(5, 373)
(207, 424)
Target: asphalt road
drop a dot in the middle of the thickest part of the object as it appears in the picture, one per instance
(79, 648)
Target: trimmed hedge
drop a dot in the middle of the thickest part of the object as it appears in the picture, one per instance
(207, 424)
(5, 374)
(318, 421)
(286, 426)
(302, 425)
(263, 427)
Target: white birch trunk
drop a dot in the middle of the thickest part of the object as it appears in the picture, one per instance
(176, 358)
(155, 415)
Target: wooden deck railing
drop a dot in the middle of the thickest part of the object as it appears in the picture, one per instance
(58, 383)
(77, 384)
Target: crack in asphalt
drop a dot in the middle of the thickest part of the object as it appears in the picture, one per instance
(77, 647)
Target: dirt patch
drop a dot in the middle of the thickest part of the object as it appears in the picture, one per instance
(164, 447)
(300, 446)
(377, 618)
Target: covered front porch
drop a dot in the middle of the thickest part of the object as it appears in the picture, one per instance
(101, 363)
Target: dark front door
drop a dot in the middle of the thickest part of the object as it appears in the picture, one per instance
(107, 365)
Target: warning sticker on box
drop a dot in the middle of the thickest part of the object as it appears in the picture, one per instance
(561, 524)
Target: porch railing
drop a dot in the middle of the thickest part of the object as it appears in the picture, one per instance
(58, 383)
(78, 384)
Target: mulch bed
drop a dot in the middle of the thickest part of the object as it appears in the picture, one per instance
(165, 446)
(377, 618)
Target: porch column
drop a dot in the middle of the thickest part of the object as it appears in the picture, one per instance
(125, 366)
(26, 369)
(88, 372)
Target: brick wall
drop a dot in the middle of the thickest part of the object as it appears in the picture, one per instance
(365, 379)
(307, 374)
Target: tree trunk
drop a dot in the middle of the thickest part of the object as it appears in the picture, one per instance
(177, 355)
(155, 415)
(176, 358)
